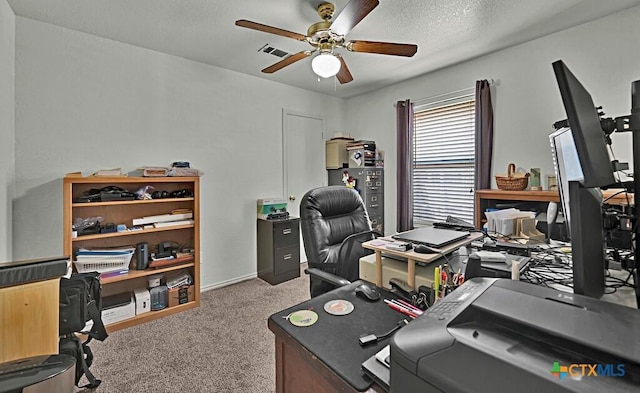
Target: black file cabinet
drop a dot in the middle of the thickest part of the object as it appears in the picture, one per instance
(370, 184)
(278, 250)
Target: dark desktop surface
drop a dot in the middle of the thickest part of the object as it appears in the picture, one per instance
(503, 336)
(334, 339)
(21, 272)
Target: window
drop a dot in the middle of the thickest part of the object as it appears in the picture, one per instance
(443, 159)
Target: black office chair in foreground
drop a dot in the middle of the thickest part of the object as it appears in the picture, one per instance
(334, 223)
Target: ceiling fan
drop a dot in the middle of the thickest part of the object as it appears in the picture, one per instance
(326, 36)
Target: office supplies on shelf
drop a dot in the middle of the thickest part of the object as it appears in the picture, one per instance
(173, 223)
(159, 297)
(171, 260)
(103, 260)
(150, 172)
(183, 215)
(178, 279)
(109, 172)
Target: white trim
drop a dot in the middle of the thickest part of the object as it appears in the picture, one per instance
(285, 125)
(228, 282)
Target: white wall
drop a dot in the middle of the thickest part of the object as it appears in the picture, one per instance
(602, 54)
(84, 103)
(7, 126)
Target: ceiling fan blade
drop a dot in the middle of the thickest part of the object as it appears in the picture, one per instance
(344, 75)
(352, 14)
(270, 29)
(285, 62)
(383, 48)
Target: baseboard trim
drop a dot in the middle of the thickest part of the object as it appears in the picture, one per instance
(228, 282)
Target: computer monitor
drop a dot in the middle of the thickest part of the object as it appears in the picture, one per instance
(585, 228)
(588, 247)
(581, 194)
(588, 135)
(567, 167)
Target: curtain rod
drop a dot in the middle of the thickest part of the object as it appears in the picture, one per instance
(449, 96)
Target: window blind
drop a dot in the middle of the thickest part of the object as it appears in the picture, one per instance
(443, 160)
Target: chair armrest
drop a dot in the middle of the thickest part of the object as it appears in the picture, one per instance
(327, 277)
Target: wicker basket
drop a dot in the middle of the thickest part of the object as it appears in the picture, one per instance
(513, 181)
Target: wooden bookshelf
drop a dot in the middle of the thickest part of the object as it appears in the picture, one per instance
(123, 212)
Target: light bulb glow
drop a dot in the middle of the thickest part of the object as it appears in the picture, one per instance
(325, 65)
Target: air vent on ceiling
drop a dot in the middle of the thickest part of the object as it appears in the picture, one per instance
(267, 48)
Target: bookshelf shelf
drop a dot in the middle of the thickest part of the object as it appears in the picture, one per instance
(129, 233)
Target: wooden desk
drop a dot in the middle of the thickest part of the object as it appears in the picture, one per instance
(379, 246)
(29, 308)
(323, 357)
(488, 198)
(296, 366)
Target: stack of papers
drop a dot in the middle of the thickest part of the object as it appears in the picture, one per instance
(504, 222)
(149, 171)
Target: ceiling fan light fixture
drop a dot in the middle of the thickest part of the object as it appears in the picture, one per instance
(325, 65)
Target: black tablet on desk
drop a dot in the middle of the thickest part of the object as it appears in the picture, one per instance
(433, 237)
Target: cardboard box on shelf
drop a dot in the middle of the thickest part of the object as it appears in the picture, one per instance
(336, 153)
(181, 295)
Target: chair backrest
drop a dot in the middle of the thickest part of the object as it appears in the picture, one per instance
(328, 216)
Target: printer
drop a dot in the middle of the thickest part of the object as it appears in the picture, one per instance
(498, 335)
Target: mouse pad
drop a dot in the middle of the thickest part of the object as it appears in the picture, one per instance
(334, 338)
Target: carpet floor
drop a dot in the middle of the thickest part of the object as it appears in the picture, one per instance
(222, 346)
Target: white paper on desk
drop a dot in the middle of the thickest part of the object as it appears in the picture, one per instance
(504, 221)
(494, 219)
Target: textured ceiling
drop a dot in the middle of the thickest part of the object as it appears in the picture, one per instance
(446, 32)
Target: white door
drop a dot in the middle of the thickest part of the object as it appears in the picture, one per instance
(303, 159)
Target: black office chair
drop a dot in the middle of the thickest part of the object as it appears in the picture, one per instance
(334, 223)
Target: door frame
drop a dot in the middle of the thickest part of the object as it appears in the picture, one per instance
(285, 125)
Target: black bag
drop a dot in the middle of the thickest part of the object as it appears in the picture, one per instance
(71, 345)
(80, 302)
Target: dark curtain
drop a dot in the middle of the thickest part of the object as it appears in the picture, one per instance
(484, 135)
(404, 119)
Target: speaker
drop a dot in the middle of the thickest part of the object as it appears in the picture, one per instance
(142, 256)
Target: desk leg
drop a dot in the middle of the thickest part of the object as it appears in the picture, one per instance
(411, 272)
(379, 269)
